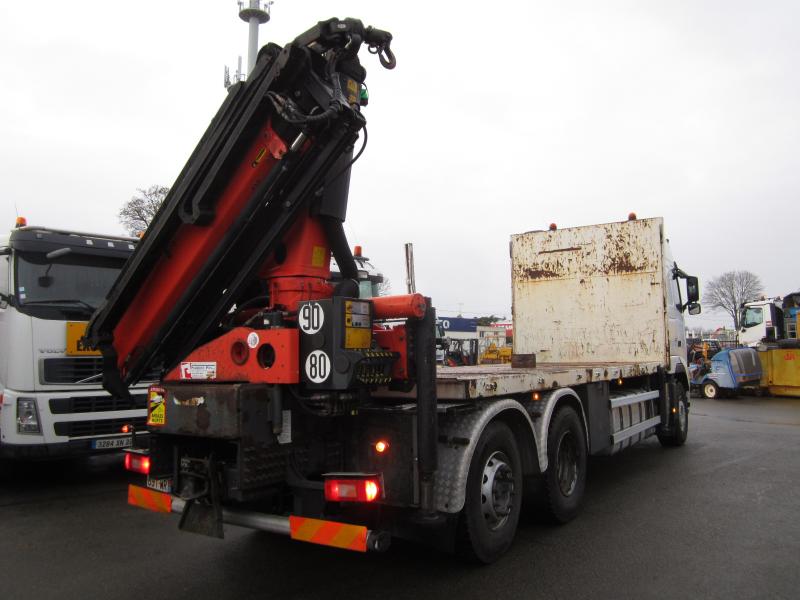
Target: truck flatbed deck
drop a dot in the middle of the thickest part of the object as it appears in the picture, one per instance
(490, 381)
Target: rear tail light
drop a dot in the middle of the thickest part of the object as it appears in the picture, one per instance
(138, 463)
(353, 490)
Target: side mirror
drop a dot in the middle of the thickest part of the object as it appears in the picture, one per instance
(692, 290)
(694, 308)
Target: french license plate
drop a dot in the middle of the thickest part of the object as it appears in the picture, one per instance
(121, 442)
(161, 485)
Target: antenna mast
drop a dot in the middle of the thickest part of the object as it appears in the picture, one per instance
(254, 13)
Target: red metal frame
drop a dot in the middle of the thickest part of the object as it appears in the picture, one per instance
(285, 368)
(395, 340)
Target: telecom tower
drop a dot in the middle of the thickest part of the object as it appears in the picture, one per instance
(254, 13)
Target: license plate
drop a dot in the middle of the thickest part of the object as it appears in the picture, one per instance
(75, 332)
(161, 485)
(122, 442)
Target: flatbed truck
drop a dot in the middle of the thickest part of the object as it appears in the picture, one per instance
(288, 402)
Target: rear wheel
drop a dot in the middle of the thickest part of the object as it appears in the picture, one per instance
(680, 421)
(493, 497)
(710, 390)
(565, 478)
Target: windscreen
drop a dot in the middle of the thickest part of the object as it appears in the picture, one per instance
(64, 286)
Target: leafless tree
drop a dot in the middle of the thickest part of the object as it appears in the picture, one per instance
(728, 291)
(385, 287)
(138, 212)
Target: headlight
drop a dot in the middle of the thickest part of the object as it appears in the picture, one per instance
(27, 416)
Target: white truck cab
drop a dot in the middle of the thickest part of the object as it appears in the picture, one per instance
(760, 319)
(51, 399)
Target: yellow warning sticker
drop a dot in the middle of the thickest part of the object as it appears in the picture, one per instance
(156, 407)
(356, 337)
(318, 257)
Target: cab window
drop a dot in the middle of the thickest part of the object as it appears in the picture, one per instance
(753, 316)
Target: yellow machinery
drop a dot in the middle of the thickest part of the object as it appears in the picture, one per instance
(495, 356)
(781, 369)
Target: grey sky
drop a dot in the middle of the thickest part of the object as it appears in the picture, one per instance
(499, 118)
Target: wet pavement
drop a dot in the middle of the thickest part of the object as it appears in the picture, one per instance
(717, 518)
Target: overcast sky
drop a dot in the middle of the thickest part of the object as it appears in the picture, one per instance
(499, 118)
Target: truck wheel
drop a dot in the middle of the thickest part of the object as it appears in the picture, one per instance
(565, 478)
(493, 497)
(680, 425)
(710, 390)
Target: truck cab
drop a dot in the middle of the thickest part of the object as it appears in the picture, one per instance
(52, 402)
(759, 320)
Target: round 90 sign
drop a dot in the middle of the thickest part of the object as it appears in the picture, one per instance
(311, 318)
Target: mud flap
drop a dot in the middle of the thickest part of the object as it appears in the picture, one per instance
(202, 518)
(203, 513)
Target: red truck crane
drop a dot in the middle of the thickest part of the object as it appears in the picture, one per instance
(288, 403)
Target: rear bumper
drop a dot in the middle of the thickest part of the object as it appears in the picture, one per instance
(345, 536)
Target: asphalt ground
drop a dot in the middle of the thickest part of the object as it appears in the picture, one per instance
(717, 518)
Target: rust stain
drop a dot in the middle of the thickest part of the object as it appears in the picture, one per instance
(572, 249)
(533, 273)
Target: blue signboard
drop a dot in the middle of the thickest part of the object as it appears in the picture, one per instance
(459, 324)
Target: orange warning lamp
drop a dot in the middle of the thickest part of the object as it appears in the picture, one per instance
(553, 226)
(632, 216)
(21, 222)
(357, 251)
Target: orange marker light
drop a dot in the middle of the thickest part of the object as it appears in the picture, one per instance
(381, 446)
(126, 429)
(371, 489)
(537, 396)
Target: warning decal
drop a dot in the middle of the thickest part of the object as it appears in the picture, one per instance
(156, 407)
(198, 370)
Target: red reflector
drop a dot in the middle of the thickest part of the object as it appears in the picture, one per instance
(352, 490)
(137, 463)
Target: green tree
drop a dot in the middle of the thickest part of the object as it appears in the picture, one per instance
(486, 321)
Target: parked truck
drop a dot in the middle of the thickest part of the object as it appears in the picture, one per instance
(287, 402)
(51, 398)
(761, 320)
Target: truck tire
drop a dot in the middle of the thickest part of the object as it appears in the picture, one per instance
(680, 426)
(565, 478)
(488, 522)
(710, 390)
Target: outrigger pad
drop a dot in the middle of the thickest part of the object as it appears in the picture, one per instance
(205, 519)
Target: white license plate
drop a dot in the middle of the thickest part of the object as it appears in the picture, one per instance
(161, 485)
(122, 442)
